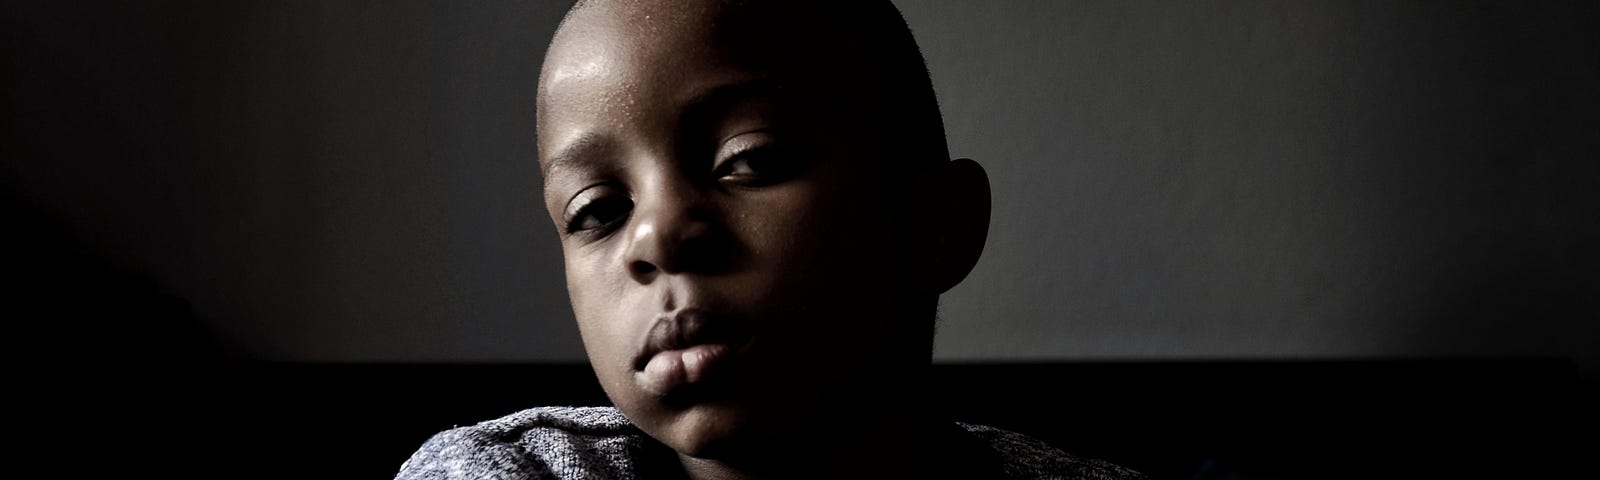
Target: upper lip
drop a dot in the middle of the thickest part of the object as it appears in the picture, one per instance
(687, 328)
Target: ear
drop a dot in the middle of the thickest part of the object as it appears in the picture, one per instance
(949, 223)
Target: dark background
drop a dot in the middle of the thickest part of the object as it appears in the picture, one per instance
(1386, 204)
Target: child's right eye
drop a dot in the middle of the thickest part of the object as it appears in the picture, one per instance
(597, 208)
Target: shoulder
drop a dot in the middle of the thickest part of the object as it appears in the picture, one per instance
(1025, 457)
(551, 442)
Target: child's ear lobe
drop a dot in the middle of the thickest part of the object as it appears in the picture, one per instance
(950, 222)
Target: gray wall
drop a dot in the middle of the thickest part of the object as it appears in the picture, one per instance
(356, 181)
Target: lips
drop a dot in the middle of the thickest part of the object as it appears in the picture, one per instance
(685, 348)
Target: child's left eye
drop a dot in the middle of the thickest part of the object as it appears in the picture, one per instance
(758, 167)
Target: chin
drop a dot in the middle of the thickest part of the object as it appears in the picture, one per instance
(712, 431)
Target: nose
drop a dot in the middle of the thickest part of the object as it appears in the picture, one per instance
(674, 230)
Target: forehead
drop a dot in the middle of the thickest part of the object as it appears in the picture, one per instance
(622, 39)
(616, 63)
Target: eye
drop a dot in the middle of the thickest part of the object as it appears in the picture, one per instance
(758, 166)
(597, 208)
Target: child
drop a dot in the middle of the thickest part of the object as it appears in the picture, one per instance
(758, 215)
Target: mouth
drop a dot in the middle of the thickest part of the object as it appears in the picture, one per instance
(685, 348)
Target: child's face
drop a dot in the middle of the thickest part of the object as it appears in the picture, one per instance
(724, 214)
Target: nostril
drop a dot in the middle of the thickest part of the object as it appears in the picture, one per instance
(641, 267)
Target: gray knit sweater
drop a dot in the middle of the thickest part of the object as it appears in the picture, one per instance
(599, 443)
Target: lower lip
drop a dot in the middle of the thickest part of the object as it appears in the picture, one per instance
(671, 369)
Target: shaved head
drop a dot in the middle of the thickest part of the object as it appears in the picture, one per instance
(881, 47)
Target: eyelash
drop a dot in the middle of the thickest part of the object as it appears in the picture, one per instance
(599, 206)
(769, 165)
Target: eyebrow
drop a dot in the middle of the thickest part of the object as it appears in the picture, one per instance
(577, 152)
(701, 109)
(707, 106)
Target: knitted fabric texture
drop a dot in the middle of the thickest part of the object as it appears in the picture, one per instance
(600, 443)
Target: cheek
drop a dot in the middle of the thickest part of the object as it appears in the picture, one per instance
(593, 290)
(819, 245)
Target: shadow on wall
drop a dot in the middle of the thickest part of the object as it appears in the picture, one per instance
(74, 308)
